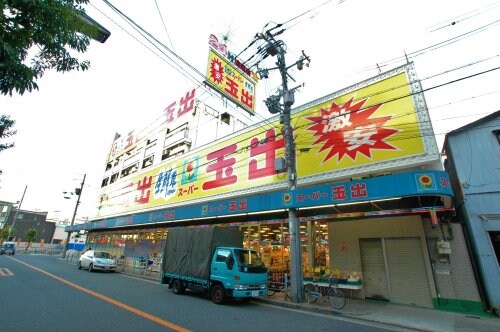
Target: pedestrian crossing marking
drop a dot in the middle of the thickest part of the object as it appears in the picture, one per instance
(4, 272)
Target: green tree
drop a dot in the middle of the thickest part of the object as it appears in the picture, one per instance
(30, 235)
(38, 35)
(4, 234)
(5, 131)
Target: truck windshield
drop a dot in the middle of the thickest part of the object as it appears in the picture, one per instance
(250, 259)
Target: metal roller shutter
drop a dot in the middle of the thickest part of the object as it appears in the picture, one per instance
(374, 272)
(409, 283)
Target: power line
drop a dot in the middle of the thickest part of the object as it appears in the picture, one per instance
(164, 26)
(362, 109)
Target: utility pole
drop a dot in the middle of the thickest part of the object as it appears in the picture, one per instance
(274, 47)
(11, 228)
(78, 191)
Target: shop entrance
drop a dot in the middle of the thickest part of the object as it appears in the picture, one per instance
(272, 241)
(394, 269)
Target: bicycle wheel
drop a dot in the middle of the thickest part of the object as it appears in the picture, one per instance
(309, 292)
(336, 298)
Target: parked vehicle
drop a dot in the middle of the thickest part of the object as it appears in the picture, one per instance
(213, 260)
(8, 248)
(97, 260)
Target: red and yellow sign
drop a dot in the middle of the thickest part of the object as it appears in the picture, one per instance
(368, 129)
(374, 124)
(230, 81)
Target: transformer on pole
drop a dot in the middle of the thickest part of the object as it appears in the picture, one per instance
(274, 47)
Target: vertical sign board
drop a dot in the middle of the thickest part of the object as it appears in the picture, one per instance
(228, 80)
(376, 125)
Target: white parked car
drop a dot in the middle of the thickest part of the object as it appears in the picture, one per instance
(97, 260)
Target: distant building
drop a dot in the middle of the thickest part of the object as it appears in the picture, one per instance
(76, 241)
(473, 163)
(25, 220)
(5, 208)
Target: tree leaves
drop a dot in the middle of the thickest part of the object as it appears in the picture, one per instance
(6, 125)
(36, 36)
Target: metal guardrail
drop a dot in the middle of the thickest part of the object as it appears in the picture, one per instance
(38, 251)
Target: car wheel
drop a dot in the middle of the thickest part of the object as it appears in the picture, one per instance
(91, 267)
(218, 294)
(79, 265)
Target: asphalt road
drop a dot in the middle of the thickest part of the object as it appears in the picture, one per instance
(45, 293)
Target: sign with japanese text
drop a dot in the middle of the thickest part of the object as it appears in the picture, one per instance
(172, 112)
(370, 128)
(353, 129)
(230, 81)
(372, 189)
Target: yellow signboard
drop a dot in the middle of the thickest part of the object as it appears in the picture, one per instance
(374, 126)
(230, 81)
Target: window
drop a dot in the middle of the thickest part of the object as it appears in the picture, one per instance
(129, 170)
(495, 242)
(104, 182)
(147, 162)
(225, 118)
(108, 166)
(222, 255)
(114, 177)
(497, 134)
(174, 151)
(180, 133)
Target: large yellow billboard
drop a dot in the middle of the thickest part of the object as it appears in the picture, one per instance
(370, 127)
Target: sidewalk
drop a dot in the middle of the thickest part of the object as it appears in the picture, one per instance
(398, 316)
(401, 316)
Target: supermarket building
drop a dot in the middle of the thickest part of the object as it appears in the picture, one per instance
(375, 205)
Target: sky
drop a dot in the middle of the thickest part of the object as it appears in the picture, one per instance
(65, 129)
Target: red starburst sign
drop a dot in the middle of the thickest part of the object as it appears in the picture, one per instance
(349, 129)
(216, 71)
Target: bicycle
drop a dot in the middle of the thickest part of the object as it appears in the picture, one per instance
(279, 283)
(313, 292)
(146, 265)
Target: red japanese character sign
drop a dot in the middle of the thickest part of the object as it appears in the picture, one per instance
(222, 167)
(351, 129)
(266, 147)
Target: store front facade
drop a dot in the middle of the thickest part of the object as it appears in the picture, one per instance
(378, 245)
(373, 202)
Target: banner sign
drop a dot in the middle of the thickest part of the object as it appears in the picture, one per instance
(371, 128)
(230, 81)
(385, 187)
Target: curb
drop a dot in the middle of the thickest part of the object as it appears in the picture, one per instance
(340, 314)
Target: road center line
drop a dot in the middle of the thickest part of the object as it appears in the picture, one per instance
(110, 300)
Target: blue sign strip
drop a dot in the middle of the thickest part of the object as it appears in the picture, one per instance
(384, 187)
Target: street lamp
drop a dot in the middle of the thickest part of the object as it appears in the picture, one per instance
(11, 229)
(78, 191)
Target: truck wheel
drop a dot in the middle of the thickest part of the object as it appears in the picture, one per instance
(218, 294)
(178, 287)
